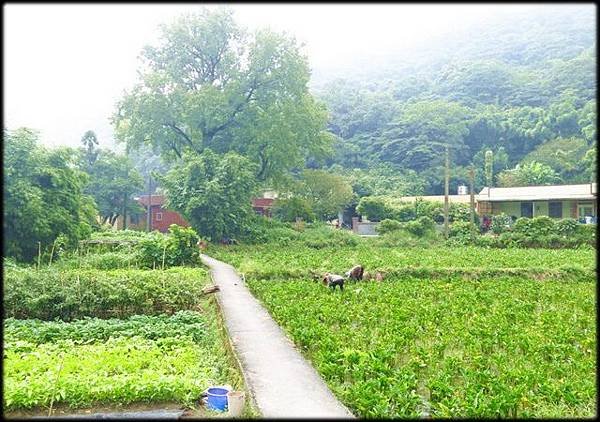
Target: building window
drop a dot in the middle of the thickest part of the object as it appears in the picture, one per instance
(527, 209)
(159, 216)
(586, 209)
(555, 209)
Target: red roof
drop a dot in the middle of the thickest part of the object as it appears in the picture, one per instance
(262, 202)
(156, 200)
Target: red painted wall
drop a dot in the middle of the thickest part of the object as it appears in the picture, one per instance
(168, 217)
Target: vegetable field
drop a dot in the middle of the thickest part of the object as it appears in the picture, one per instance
(77, 338)
(518, 344)
(269, 262)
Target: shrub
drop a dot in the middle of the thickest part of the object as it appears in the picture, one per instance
(48, 293)
(178, 248)
(486, 241)
(322, 236)
(534, 227)
(463, 231)
(264, 230)
(387, 226)
(421, 227)
(401, 238)
(289, 210)
(500, 223)
(586, 234)
(404, 213)
(181, 246)
(566, 226)
(511, 239)
(374, 208)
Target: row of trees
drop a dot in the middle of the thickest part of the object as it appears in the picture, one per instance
(53, 197)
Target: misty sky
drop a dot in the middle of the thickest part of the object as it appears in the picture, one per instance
(65, 66)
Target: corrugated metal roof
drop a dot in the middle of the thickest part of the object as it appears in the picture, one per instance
(538, 193)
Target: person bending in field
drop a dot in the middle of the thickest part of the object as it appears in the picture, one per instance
(355, 273)
(332, 280)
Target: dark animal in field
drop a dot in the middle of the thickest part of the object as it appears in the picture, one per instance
(332, 280)
(355, 273)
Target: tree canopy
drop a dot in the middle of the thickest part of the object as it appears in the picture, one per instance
(43, 196)
(209, 84)
(213, 192)
(510, 85)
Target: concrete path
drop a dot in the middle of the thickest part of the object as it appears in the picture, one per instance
(282, 382)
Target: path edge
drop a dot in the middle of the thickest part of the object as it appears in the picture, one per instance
(233, 349)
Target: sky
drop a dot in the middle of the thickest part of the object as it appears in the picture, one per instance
(67, 65)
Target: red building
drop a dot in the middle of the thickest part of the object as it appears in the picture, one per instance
(262, 206)
(160, 217)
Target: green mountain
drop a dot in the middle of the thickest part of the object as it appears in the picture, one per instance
(513, 84)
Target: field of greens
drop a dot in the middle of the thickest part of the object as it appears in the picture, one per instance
(79, 338)
(440, 343)
(265, 261)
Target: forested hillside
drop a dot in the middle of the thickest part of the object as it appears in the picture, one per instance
(521, 86)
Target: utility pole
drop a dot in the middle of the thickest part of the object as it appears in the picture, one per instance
(471, 182)
(149, 212)
(446, 187)
(125, 211)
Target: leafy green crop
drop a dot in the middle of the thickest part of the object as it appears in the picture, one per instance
(451, 331)
(49, 293)
(502, 347)
(90, 362)
(90, 330)
(268, 262)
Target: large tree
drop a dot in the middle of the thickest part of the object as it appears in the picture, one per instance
(212, 192)
(210, 84)
(327, 193)
(113, 181)
(531, 173)
(43, 196)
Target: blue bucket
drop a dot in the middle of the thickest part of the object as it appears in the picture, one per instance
(217, 398)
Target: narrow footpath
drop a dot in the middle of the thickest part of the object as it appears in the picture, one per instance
(282, 382)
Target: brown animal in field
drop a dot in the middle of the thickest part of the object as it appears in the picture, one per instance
(332, 280)
(378, 276)
(356, 273)
(367, 276)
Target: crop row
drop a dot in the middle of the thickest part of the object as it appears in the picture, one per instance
(501, 347)
(92, 330)
(70, 294)
(269, 262)
(91, 362)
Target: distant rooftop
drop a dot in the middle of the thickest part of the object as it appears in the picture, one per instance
(539, 193)
(440, 198)
(156, 200)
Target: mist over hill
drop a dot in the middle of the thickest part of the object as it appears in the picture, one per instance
(515, 83)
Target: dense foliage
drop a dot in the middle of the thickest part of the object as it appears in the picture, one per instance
(113, 180)
(377, 208)
(70, 294)
(211, 84)
(44, 199)
(522, 85)
(213, 192)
